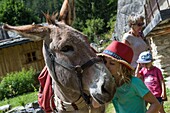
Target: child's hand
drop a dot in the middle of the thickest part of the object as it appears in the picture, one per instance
(164, 97)
(137, 70)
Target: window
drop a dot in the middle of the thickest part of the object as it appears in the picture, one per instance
(30, 57)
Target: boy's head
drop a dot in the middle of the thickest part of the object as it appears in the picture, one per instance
(145, 59)
(120, 52)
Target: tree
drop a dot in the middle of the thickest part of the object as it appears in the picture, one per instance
(39, 6)
(15, 13)
(94, 26)
(90, 10)
(86, 12)
(94, 9)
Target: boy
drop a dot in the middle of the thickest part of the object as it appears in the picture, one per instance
(151, 76)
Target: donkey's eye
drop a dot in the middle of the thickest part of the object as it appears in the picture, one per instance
(67, 49)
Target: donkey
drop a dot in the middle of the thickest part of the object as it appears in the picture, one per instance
(78, 75)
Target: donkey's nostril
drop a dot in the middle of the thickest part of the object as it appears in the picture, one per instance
(104, 90)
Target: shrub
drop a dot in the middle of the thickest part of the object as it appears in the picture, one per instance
(17, 83)
(93, 29)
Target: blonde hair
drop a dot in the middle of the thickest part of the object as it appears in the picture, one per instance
(134, 18)
(124, 74)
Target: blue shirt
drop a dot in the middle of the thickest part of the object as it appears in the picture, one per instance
(129, 97)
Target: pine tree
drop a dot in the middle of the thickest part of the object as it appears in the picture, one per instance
(94, 9)
(15, 13)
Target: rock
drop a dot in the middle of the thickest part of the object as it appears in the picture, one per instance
(5, 107)
(19, 109)
(28, 108)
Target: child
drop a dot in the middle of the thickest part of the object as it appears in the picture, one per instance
(131, 93)
(152, 77)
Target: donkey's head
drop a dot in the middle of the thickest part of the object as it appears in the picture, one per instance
(73, 65)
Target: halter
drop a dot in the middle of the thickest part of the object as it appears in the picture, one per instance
(78, 69)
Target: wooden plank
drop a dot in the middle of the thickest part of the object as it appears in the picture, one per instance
(2, 63)
(160, 32)
(158, 19)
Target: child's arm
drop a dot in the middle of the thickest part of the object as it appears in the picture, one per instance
(137, 74)
(163, 90)
(154, 104)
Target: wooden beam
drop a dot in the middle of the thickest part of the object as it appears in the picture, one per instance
(160, 32)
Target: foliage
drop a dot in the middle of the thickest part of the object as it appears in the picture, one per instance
(94, 27)
(90, 10)
(15, 13)
(167, 103)
(17, 83)
(39, 6)
(111, 25)
(20, 12)
(94, 10)
(20, 100)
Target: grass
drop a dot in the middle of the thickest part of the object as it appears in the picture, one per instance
(110, 109)
(31, 97)
(20, 100)
(167, 103)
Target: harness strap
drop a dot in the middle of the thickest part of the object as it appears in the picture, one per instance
(51, 106)
(91, 62)
(67, 106)
(79, 70)
(61, 63)
(74, 106)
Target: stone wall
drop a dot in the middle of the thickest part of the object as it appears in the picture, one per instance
(161, 52)
(125, 8)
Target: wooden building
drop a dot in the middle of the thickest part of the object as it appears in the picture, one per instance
(17, 52)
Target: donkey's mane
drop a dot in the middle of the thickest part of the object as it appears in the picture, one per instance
(51, 19)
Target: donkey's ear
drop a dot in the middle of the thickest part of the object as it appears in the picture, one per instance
(33, 32)
(67, 12)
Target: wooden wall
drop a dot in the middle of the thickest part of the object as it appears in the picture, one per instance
(15, 58)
